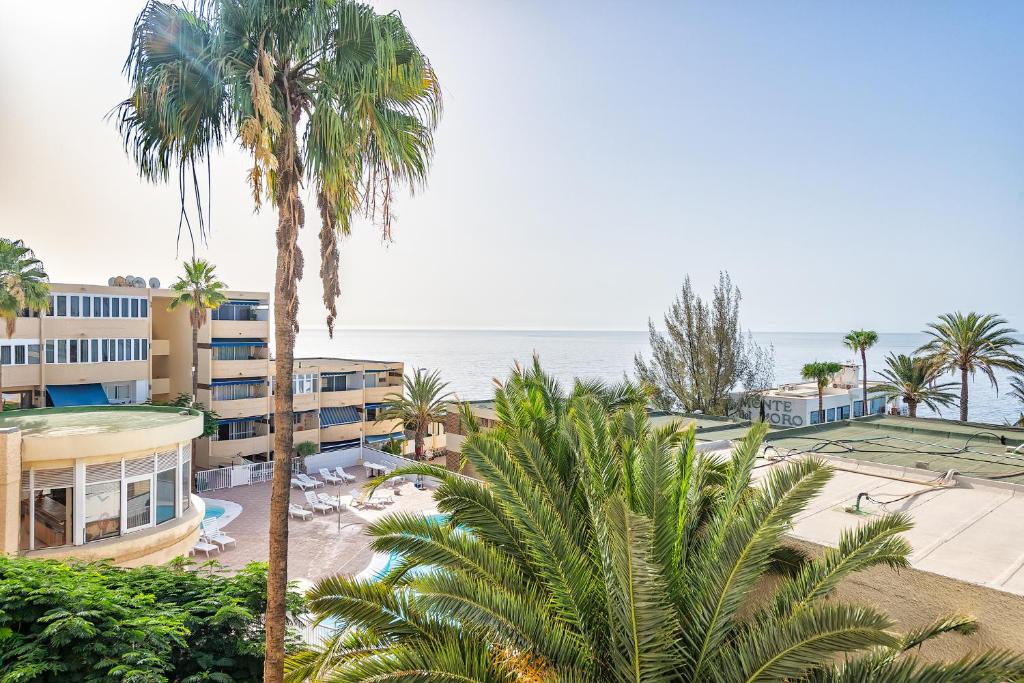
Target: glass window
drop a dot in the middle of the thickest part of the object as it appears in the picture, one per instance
(815, 416)
(165, 487)
(86, 306)
(139, 500)
(75, 312)
(72, 350)
(843, 413)
(94, 354)
(106, 307)
(144, 308)
(97, 306)
(24, 541)
(120, 392)
(830, 415)
(33, 354)
(370, 380)
(186, 482)
(62, 350)
(50, 358)
(145, 348)
(135, 307)
(19, 355)
(102, 510)
(120, 349)
(137, 349)
(5, 355)
(62, 305)
(124, 307)
(52, 517)
(115, 307)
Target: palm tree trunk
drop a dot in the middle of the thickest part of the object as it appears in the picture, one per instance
(912, 408)
(419, 443)
(289, 268)
(864, 364)
(963, 394)
(195, 364)
(821, 405)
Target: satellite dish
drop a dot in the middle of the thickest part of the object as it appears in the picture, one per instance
(139, 282)
(110, 282)
(154, 283)
(119, 281)
(129, 280)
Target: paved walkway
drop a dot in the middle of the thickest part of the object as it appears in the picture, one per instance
(327, 544)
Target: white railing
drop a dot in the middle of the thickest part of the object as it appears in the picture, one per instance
(237, 475)
(316, 636)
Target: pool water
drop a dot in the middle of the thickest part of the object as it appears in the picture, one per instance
(213, 511)
(394, 557)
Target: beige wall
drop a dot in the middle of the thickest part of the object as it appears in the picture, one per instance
(10, 489)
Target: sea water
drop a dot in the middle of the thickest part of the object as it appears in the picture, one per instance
(469, 360)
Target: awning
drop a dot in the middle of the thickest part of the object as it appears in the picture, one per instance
(338, 445)
(233, 420)
(385, 370)
(226, 382)
(242, 302)
(62, 395)
(374, 405)
(378, 438)
(337, 374)
(238, 342)
(330, 417)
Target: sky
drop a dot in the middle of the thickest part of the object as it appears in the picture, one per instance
(850, 164)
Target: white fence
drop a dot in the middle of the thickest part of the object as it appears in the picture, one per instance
(237, 475)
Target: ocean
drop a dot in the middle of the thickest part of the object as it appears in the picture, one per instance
(470, 359)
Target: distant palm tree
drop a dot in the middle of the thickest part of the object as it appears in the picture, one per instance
(915, 380)
(822, 372)
(599, 548)
(200, 291)
(423, 402)
(1017, 391)
(969, 343)
(23, 285)
(861, 341)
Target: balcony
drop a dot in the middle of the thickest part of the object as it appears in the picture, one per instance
(242, 407)
(380, 394)
(302, 402)
(81, 373)
(385, 427)
(306, 436)
(224, 452)
(337, 399)
(15, 376)
(160, 385)
(159, 347)
(340, 432)
(233, 369)
(240, 329)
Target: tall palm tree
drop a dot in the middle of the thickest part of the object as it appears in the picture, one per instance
(23, 285)
(915, 380)
(861, 341)
(422, 403)
(821, 372)
(325, 94)
(969, 343)
(199, 290)
(598, 548)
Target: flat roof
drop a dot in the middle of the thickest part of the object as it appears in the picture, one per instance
(80, 420)
(972, 449)
(970, 530)
(346, 360)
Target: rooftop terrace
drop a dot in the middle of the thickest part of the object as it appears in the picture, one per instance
(972, 449)
(83, 420)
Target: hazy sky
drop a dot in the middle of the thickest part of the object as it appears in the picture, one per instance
(851, 164)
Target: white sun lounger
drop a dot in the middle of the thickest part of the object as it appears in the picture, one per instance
(296, 511)
(345, 476)
(204, 547)
(316, 504)
(328, 477)
(333, 501)
(212, 534)
(301, 484)
(308, 480)
(361, 499)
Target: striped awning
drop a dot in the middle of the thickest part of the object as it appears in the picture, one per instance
(243, 341)
(227, 382)
(330, 417)
(379, 438)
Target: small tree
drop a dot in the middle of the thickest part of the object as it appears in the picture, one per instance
(860, 341)
(23, 285)
(1017, 391)
(821, 373)
(704, 355)
(422, 403)
(915, 381)
(199, 290)
(304, 450)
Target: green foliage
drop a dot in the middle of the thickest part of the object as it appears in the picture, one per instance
(306, 449)
(915, 380)
(704, 354)
(23, 282)
(94, 622)
(599, 548)
(821, 372)
(422, 403)
(198, 289)
(392, 446)
(184, 400)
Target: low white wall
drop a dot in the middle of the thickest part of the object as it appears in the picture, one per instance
(341, 458)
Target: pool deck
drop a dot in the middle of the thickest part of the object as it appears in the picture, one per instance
(316, 547)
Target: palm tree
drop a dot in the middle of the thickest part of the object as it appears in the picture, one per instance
(423, 402)
(598, 548)
(969, 343)
(199, 290)
(822, 372)
(1017, 391)
(326, 95)
(23, 285)
(861, 341)
(915, 380)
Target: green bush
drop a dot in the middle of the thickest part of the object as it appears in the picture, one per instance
(95, 622)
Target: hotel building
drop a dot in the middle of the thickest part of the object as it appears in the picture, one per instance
(796, 404)
(119, 344)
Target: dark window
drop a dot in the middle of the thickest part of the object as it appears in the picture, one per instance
(136, 350)
(115, 307)
(106, 307)
(145, 349)
(124, 307)
(5, 355)
(86, 306)
(62, 350)
(95, 355)
(33, 354)
(62, 305)
(75, 301)
(144, 308)
(135, 308)
(120, 349)
(49, 351)
(19, 355)
(72, 350)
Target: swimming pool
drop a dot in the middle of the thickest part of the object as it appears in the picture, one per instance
(213, 511)
(396, 556)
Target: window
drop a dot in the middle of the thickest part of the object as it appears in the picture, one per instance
(72, 350)
(830, 415)
(5, 355)
(62, 305)
(115, 307)
(19, 355)
(120, 392)
(165, 488)
(62, 350)
(370, 380)
(106, 307)
(877, 406)
(120, 349)
(334, 383)
(86, 306)
(815, 417)
(136, 349)
(135, 308)
(102, 510)
(138, 498)
(303, 384)
(52, 518)
(33, 354)
(843, 413)
(50, 358)
(186, 479)
(145, 348)
(143, 308)
(94, 352)
(858, 408)
(75, 312)
(124, 307)
(97, 307)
